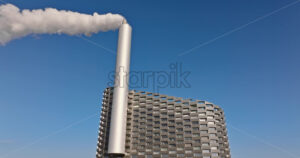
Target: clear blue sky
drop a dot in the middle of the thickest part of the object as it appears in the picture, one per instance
(51, 85)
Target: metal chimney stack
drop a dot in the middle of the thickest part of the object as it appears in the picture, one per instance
(117, 133)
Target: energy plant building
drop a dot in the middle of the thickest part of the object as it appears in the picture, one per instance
(160, 126)
(149, 125)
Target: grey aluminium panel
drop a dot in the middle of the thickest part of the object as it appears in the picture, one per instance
(165, 126)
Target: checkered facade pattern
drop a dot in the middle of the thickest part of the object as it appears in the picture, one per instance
(161, 126)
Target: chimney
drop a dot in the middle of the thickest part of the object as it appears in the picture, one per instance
(117, 133)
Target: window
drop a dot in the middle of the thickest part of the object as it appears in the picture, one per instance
(203, 131)
(210, 117)
(195, 128)
(211, 123)
(196, 135)
(194, 105)
(214, 154)
(202, 120)
(203, 125)
(164, 149)
(188, 151)
(202, 114)
(185, 109)
(172, 133)
(197, 155)
(188, 145)
(201, 108)
(149, 137)
(171, 116)
(212, 135)
(195, 122)
(149, 144)
(179, 149)
(172, 139)
(187, 138)
(204, 138)
(179, 123)
(212, 129)
(213, 141)
(209, 105)
(196, 148)
(172, 145)
(205, 151)
(187, 132)
(156, 146)
(187, 126)
(196, 141)
(164, 143)
(171, 121)
(172, 152)
(186, 120)
(214, 148)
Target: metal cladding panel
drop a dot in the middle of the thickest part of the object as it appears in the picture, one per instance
(117, 132)
(164, 126)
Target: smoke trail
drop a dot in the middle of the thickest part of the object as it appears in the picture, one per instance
(15, 23)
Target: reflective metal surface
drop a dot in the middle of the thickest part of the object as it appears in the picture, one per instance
(117, 132)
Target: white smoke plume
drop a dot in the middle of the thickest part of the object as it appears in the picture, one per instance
(15, 23)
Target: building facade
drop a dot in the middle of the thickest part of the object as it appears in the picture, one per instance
(160, 126)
